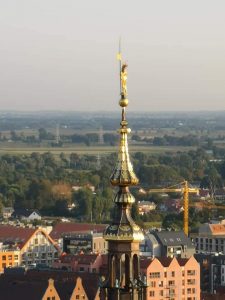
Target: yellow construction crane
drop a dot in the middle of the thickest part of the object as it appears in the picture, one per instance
(183, 188)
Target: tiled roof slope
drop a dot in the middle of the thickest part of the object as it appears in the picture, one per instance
(14, 234)
(217, 229)
(62, 228)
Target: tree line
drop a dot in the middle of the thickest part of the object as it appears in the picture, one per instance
(44, 181)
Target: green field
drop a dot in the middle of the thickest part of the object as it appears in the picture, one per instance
(19, 148)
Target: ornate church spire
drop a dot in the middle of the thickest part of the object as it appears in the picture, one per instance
(123, 235)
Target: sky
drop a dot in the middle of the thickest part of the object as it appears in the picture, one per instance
(61, 54)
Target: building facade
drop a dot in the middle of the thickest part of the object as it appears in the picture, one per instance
(172, 278)
(75, 243)
(34, 245)
(167, 243)
(9, 257)
(210, 239)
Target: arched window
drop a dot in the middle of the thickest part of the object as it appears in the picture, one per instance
(113, 270)
(135, 267)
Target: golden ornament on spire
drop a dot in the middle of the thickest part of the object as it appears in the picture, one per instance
(123, 174)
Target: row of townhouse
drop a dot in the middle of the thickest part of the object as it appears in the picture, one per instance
(167, 278)
(49, 285)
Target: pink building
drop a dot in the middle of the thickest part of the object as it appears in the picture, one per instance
(172, 278)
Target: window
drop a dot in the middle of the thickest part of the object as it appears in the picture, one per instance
(161, 292)
(191, 272)
(10, 257)
(152, 294)
(16, 257)
(165, 274)
(36, 241)
(77, 297)
(152, 284)
(3, 257)
(173, 274)
(171, 282)
(154, 274)
(161, 283)
(81, 269)
(191, 281)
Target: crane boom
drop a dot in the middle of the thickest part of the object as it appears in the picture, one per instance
(185, 190)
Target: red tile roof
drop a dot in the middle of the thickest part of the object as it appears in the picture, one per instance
(182, 261)
(145, 262)
(14, 234)
(217, 228)
(62, 228)
(165, 261)
(86, 259)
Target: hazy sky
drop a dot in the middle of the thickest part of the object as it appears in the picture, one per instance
(61, 54)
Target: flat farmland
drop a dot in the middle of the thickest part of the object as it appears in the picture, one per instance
(21, 149)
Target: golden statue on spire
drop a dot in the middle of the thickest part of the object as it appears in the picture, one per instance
(123, 77)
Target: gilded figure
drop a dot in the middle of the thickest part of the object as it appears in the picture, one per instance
(124, 80)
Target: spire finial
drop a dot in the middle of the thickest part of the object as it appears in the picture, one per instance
(123, 174)
(123, 81)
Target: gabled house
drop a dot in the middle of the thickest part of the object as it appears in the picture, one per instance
(169, 243)
(34, 244)
(26, 214)
(47, 285)
(7, 212)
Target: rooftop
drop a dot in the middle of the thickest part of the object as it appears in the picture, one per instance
(172, 238)
(12, 234)
(62, 228)
(33, 284)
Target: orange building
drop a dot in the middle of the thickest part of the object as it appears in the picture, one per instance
(172, 278)
(9, 258)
